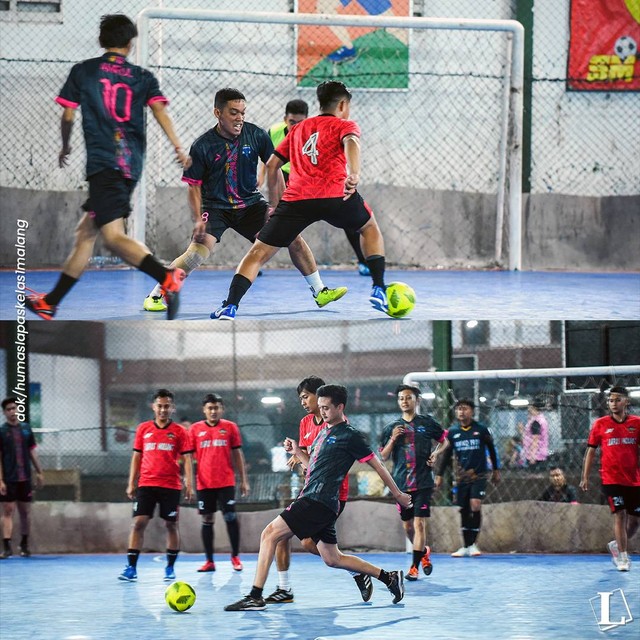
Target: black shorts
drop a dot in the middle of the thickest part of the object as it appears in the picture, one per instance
(17, 492)
(148, 497)
(247, 222)
(467, 491)
(292, 218)
(420, 507)
(109, 196)
(311, 519)
(622, 498)
(210, 499)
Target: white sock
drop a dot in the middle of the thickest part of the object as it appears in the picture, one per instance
(283, 580)
(315, 282)
(157, 291)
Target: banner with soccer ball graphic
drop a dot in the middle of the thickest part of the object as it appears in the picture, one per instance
(603, 45)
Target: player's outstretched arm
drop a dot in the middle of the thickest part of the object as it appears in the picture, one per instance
(160, 113)
(401, 498)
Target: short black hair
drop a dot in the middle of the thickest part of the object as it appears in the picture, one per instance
(466, 401)
(623, 391)
(330, 92)
(163, 393)
(226, 95)
(7, 401)
(310, 384)
(299, 107)
(212, 398)
(408, 387)
(336, 392)
(116, 31)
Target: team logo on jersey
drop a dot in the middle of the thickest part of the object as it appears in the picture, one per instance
(246, 150)
(420, 429)
(171, 436)
(218, 156)
(331, 440)
(223, 432)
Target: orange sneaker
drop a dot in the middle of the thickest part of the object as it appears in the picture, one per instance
(37, 304)
(412, 574)
(207, 567)
(170, 290)
(237, 565)
(427, 567)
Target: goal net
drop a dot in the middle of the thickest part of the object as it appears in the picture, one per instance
(438, 102)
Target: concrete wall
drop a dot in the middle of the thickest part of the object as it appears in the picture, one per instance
(514, 527)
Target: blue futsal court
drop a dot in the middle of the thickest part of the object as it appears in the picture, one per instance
(536, 597)
(117, 294)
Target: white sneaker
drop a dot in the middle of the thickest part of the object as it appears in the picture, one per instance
(474, 551)
(624, 564)
(613, 550)
(462, 552)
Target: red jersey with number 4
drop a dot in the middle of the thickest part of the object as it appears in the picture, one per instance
(619, 443)
(161, 448)
(318, 163)
(309, 430)
(212, 446)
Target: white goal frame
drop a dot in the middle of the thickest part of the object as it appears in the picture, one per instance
(510, 162)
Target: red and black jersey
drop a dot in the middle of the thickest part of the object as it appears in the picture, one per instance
(318, 163)
(619, 443)
(161, 448)
(212, 446)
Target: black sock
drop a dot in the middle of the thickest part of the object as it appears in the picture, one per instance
(132, 557)
(385, 577)
(467, 525)
(207, 539)
(64, 285)
(172, 554)
(239, 286)
(234, 536)
(24, 542)
(475, 520)
(153, 268)
(7, 544)
(354, 240)
(256, 592)
(376, 265)
(417, 556)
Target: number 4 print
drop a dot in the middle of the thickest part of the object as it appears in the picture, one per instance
(311, 148)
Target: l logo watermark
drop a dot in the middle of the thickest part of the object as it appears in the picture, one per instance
(612, 603)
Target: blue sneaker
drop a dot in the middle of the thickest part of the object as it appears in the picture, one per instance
(169, 574)
(363, 270)
(225, 312)
(129, 574)
(378, 299)
(342, 54)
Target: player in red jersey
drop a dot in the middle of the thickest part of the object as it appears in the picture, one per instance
(310, 427)
(618, 435)
(155, 470)
(324, 152)
(217, 444)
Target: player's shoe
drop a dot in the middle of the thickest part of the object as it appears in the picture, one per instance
(462, 552)
(613, 550)
(474, 552)
(280, 596)
(154, 303)
(624, 564)
(24, 551)
(342, 54)
(236, 564)
(365, 584)
(36, 303)
(129, 574)
(7, 553)
(225, 312)
(378, 299)
(363, 269)
(425, 561)
(247, 604)
(396, 586)
(207, 567)
(412, 574)
(171, 291)
(326, 295)
(169, 574)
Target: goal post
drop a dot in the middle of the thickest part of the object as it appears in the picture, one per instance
(436, 148)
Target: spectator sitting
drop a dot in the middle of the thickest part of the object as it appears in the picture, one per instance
(559, 490)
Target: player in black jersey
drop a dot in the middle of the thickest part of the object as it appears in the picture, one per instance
(113, 94)
(408, 442)
(314, 512)
(471, 441)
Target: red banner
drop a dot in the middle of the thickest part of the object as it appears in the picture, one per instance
(603, 45)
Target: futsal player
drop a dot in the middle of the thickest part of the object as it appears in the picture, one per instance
(112, 93)
(408, 442)
(470, 441)
(310, 426)
(320, 149)
(155, 479)
(217, 446)
(618, 436)
(223, 194)
(314, 512)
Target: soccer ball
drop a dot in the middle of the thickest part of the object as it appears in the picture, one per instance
(180, 596)
(401, 299)
(624, 47)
